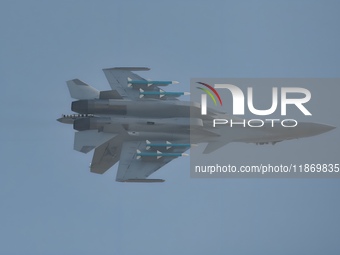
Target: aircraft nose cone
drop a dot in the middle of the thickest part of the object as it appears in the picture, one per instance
(326, 128)
(321, 128)
(306, 129)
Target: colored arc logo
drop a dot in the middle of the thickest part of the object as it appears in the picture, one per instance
(208, 91)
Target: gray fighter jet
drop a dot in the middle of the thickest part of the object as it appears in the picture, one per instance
(144, 127)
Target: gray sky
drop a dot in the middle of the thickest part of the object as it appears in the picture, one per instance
(52, 204)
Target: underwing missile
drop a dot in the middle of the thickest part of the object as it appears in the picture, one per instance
(161, 93)
(149, 82)
(167, 145)
(158, 154)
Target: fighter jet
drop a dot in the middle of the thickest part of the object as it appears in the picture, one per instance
(144, 127)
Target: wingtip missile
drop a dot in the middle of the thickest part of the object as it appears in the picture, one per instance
(149, 82)
(161, 93)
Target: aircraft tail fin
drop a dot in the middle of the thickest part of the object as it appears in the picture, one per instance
(80, 90)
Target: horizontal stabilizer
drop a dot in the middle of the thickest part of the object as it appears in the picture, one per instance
(85, 141)
(80, 90)
(106, 155)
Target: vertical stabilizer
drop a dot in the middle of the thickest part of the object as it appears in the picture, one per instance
(80, 90)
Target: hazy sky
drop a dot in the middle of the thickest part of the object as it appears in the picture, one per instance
(52, 204)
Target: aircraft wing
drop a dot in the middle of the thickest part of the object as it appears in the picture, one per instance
(132, 169)
(118, 79)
